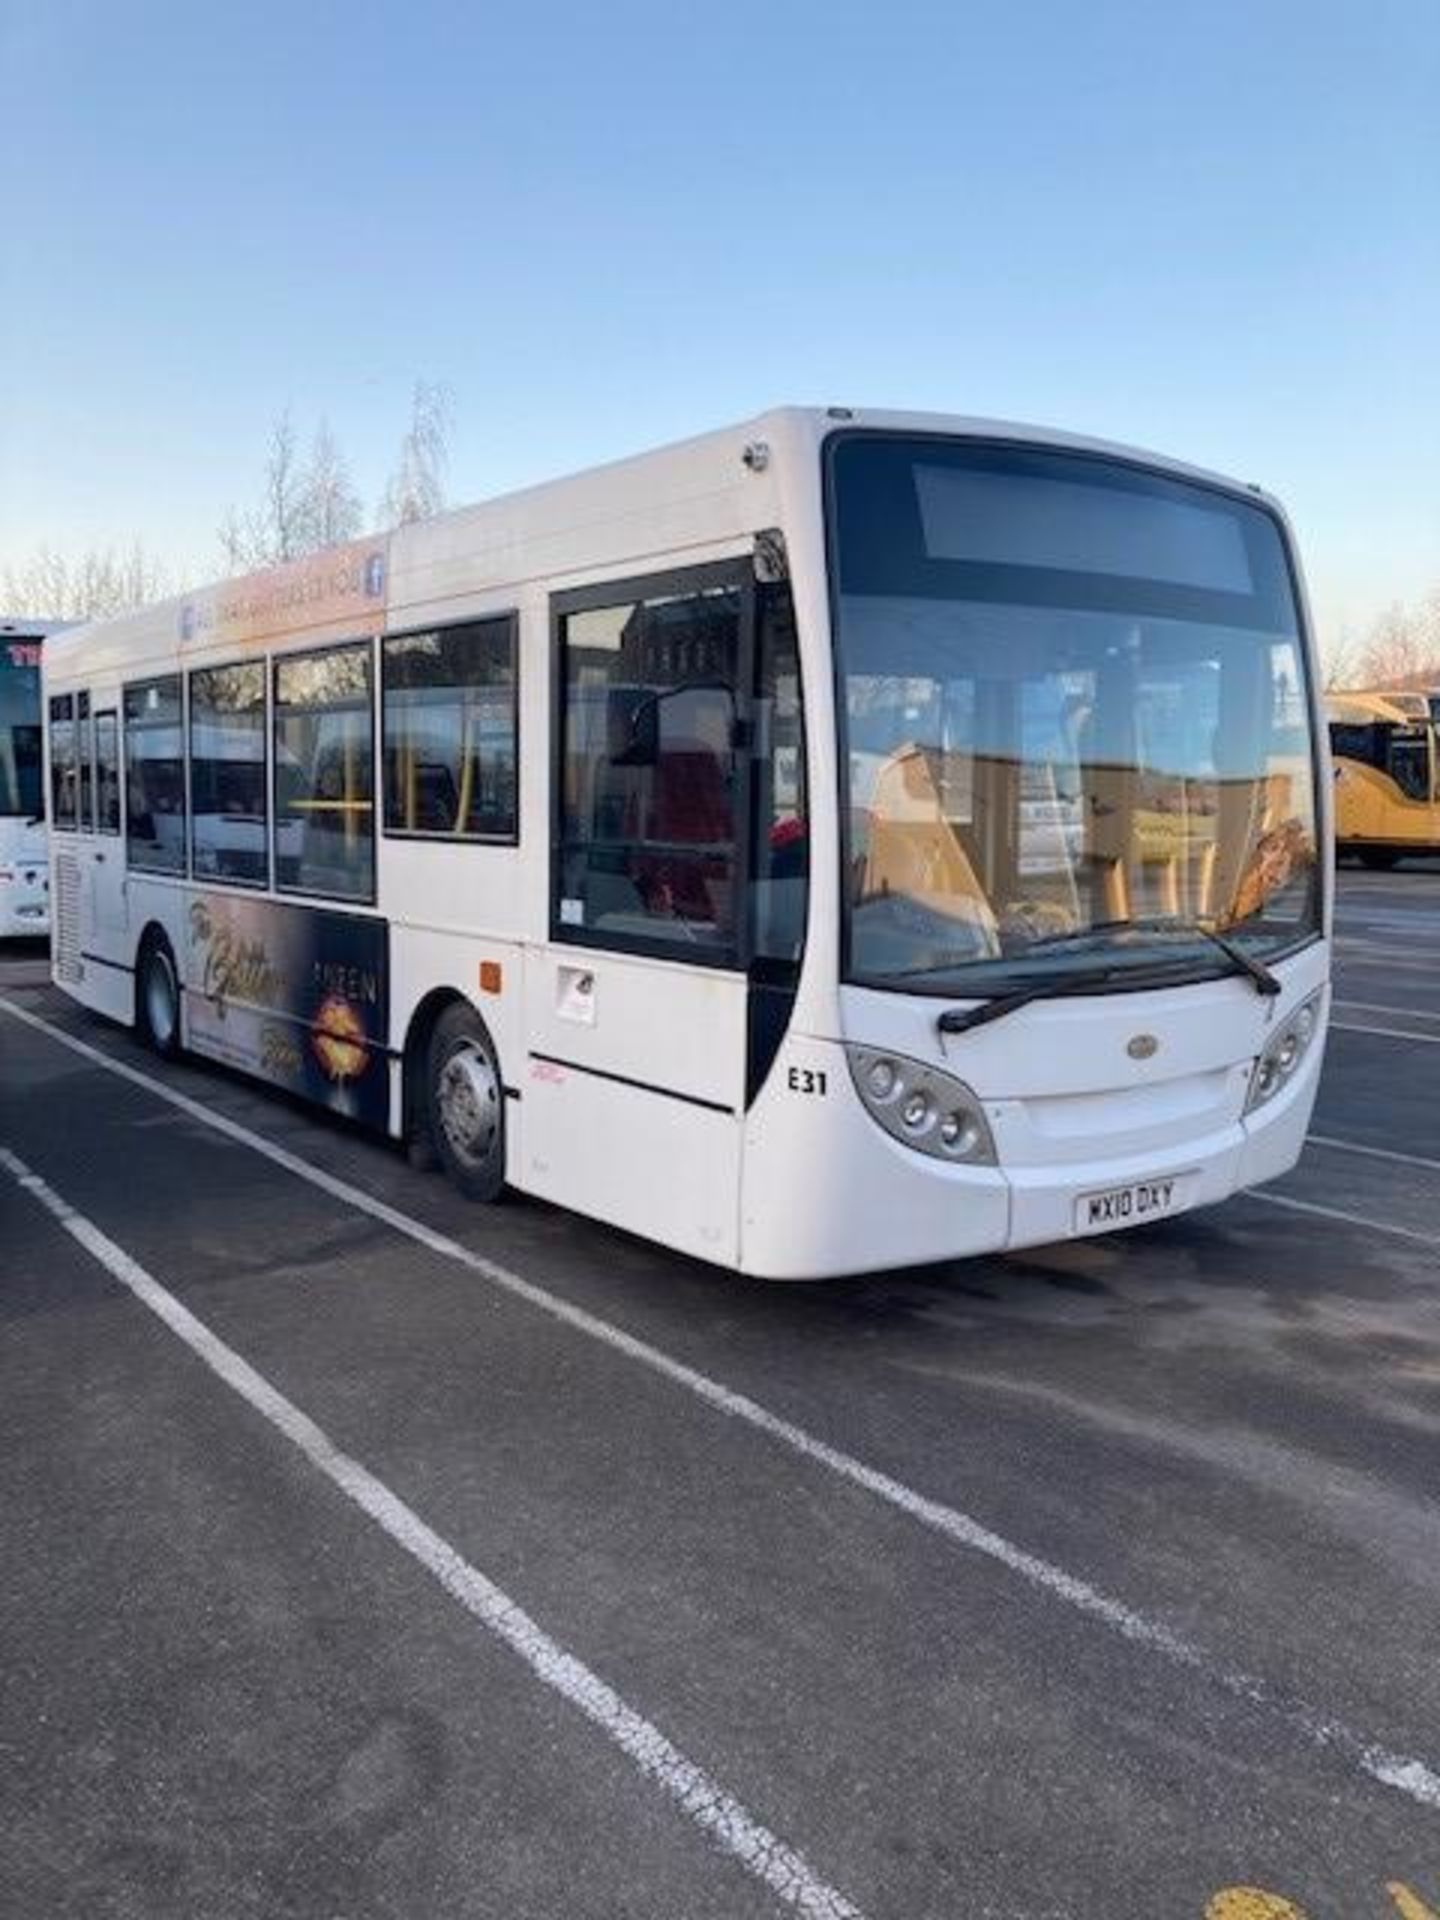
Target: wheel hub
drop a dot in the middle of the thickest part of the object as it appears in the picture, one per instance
(469, 1101)
(160, 1001)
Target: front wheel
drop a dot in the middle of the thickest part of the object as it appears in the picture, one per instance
(465, 1104)
(157, 1000)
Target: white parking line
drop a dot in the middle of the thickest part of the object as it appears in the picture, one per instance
(1412, 1777)
(1341, 1213)
(1373, 1153)
(1385, 1033)
(1367, 954)
(1374, 1006)
(707, 1803)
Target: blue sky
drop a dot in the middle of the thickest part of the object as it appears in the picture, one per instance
(1207, 226)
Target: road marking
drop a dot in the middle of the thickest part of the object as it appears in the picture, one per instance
(1371, 1006)
(1409, 1905)
(1254, 1903)
(1250, 1903)
(1374, 1153)
(1412, 1777)
(783, 1870)
(1371, 958)
(1340, 1213)
(1385, 1033)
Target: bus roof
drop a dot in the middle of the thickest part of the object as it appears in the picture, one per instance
(1363, 705)
(24, 626)
(466, 549)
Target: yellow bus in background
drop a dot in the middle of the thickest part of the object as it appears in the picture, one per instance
(1386, 749)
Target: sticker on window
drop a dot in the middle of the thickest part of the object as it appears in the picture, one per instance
(572, 913)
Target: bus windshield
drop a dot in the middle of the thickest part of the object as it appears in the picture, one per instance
(20, 769)
(1076, 718)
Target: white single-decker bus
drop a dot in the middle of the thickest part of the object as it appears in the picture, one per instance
(839, 842)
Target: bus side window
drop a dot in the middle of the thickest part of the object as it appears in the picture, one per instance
(63, 796)
(154, 776)
(85, 756)
(1410, 767)
(324, 773)
(229, 826)
(107, 773)
(1350, 741)
(449, 731)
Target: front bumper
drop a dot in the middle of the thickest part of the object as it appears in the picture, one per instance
(825, 1192)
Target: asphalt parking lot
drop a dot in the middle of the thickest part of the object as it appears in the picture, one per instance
(365, 1554)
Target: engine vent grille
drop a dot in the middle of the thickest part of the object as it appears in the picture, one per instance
(66, 962)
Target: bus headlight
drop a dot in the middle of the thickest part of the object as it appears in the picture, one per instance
(929, 1110)
(1283, 1053)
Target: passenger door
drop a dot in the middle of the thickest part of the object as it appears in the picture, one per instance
(635, 1088)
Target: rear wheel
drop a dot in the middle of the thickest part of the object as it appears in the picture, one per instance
(157, 999)
(465, 1104)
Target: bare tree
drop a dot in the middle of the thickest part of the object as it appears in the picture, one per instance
(1340, 659)
(1404, 647)
(417, 485)
(273, 531)
(89, 585)
(328, 508)
(1428, 619)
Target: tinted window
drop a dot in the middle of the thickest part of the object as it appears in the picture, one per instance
(107, 773)
(1043, 519)
(450, 731)
(227, 773)
(651, 777)
(154, 776)
(324, 776)
(1410, 766)
(964, 521)
(1362, 743)
(63, 771)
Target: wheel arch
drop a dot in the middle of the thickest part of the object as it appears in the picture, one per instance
(423, 1017)
(153, 934)
(155, 940)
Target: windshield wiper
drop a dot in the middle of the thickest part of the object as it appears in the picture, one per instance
(1241, 962)
(1143, 975)
(954, 1020)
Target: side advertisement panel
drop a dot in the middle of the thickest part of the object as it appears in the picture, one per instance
(298, 996)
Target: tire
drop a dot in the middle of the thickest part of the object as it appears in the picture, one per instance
(464, 1104)
(157, 999)
(1378, 859)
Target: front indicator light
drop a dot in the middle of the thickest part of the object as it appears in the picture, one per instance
(921, 1105)
(1283, 1053)
(959, 1134)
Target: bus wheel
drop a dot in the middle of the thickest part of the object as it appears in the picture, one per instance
(1379, 859)
(157, 999)
(465, 1104)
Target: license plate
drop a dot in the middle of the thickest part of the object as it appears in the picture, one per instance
(1127, 1206)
